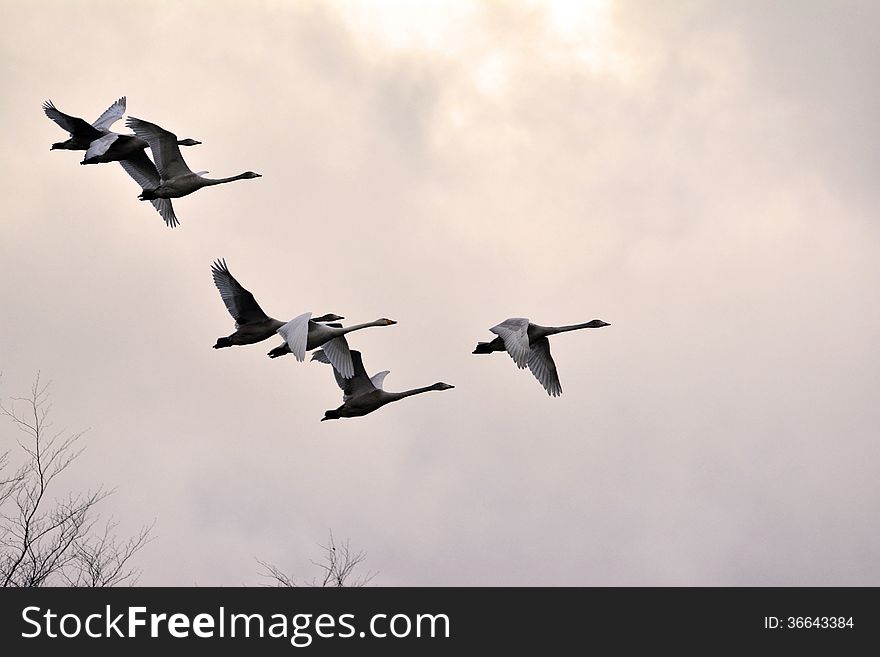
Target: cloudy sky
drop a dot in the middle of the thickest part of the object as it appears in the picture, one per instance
(702, 175)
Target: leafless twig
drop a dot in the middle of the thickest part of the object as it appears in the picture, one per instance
(47, 541)
(337, 568)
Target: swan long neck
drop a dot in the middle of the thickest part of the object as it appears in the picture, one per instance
(410, 393)
(357, 327)
(207, 182)
(553, 330)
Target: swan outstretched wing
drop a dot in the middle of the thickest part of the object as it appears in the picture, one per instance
(166, 210)
(339, 355)
(72, 124)
(111, 115)
(100, 145)
(296, 334)
(320, 356)
(239, 302)
(542, 366)
(163, 144)
(139, 167)
(343, 383)
(358, 384)
(514, 333)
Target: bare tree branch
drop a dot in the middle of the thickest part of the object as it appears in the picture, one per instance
(337, 568)
(47, 542)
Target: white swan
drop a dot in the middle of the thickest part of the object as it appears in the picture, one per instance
(528, 346)
(176, 178)
(302, 334)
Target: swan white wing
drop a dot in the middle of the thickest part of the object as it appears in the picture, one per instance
(542, 366)
(163, 144)
(139, 167)
(72, 124)
(379, 378)
(100, 146)
(111, 115)
(340, 356)
(515, 334)
(296, 334)
(239, 302)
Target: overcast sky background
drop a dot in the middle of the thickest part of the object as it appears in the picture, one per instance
(702, 175)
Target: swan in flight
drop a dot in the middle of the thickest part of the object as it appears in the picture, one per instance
(528, 346)
(302, 334)
(82, 134)
(101, 145)
(362, 394)
(252, 325)
(176, 178)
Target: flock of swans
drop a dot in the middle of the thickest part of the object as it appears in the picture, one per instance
(167, 176)
(163, 178)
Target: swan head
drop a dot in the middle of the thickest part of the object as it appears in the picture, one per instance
(386, 322)
(598, 323)
(331, 415)
(442, 386)
(188, 142)
(251, 174)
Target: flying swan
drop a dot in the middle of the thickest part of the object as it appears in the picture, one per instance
(528, 346)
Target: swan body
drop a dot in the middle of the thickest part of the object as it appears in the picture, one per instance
(302, 334)
(528, 346)
(362, 394)
(176, 179)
